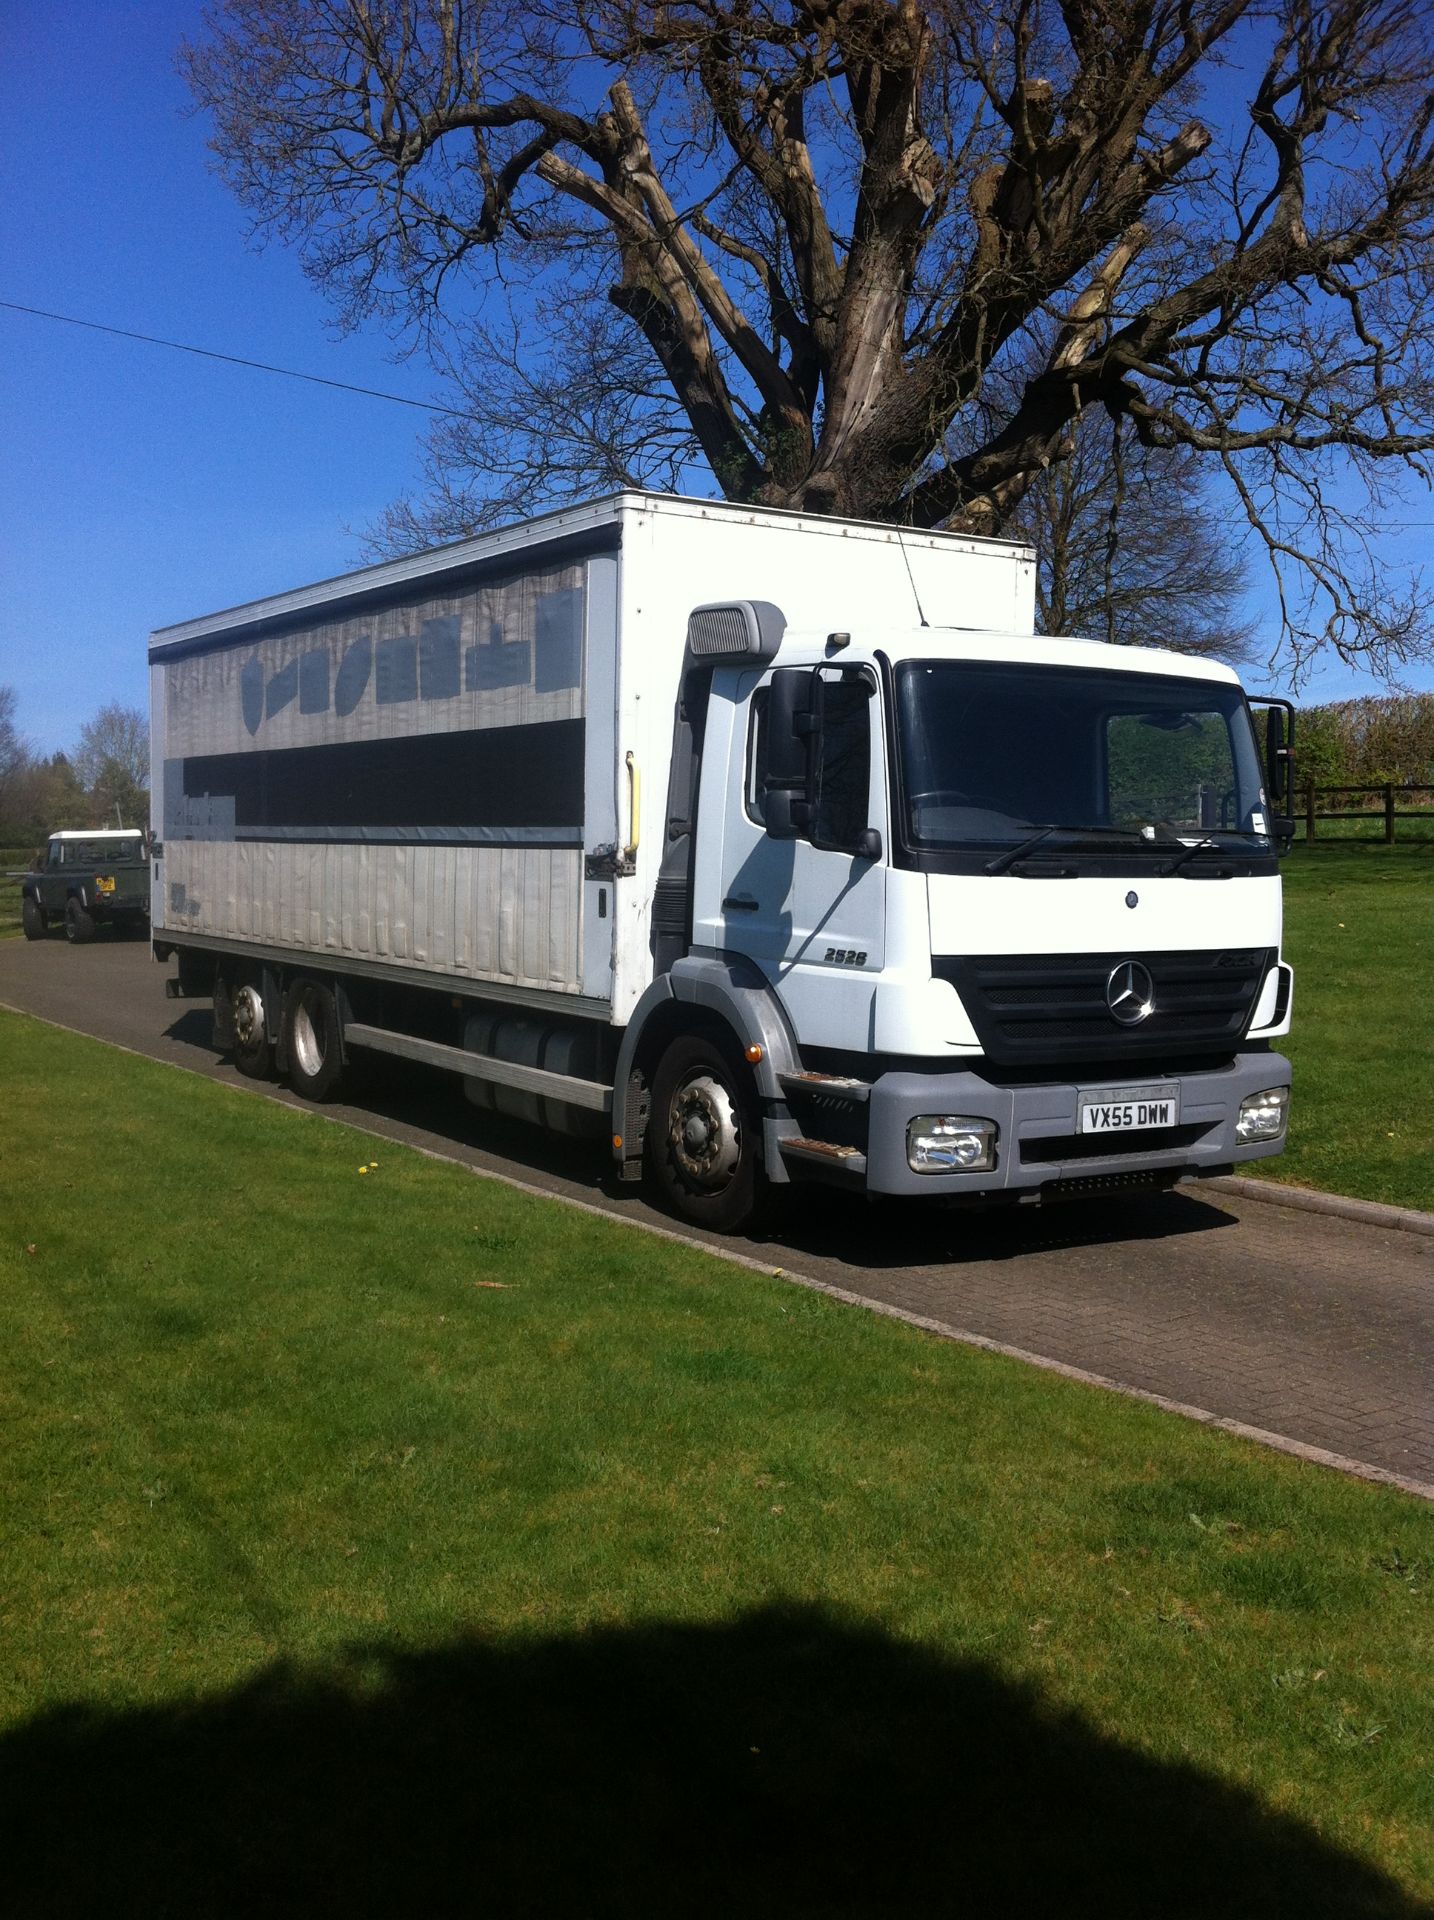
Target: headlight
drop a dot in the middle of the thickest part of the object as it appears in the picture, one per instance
(950, 1143)
(1262, 1115)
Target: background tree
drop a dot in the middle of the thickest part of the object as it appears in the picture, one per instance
(790, 246)
(16, 760)
(58, 798)
(45, 795)
(1131, 548)
(111, 762)
(1132, 545)
(1354, 742)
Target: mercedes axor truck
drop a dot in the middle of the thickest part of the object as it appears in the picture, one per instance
(770, 848)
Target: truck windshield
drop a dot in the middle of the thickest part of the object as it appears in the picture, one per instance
(994, 756)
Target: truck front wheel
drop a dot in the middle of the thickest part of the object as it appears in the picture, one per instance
(704, 1136)
(311, 1033)
(79, 925)
(32, 918)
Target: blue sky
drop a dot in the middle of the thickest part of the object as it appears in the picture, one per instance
(140, 486)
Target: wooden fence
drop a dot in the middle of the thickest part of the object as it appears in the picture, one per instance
(11, 857)
(1387, 804)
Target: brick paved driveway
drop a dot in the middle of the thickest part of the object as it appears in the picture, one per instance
(1316, 1328)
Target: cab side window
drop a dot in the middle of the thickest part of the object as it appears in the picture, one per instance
(843, 772)
(756, 791)
(843, 796)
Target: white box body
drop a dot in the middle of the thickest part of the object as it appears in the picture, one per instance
(403, 770)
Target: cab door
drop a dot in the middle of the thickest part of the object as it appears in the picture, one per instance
(810, 911)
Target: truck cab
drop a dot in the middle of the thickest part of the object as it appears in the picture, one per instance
(1014, 903)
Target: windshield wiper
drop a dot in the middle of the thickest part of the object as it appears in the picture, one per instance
(1187, 854)
(1013, 854)
(1008, 859)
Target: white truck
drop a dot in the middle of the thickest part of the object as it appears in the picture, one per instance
(772, 847)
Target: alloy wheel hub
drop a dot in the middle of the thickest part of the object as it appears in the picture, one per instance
(248, 1016)
(704, 1135)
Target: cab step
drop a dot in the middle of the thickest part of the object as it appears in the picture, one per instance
(825, 1159)
(834, 1086)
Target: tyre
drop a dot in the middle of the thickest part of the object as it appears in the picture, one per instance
(32, 918)
(253, 1048)
(79, 925)
(704, 1136)
(311, 1037)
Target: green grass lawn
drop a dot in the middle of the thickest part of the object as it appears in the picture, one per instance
(391, 1541)
(1359, 930)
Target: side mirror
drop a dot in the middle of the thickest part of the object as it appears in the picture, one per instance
(1279, 751)
(794, 725)
(1279, 767)
(777, 814)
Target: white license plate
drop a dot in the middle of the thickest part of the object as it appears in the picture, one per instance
(1118, 1109)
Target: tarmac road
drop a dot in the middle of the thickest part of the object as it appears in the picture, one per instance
(1317, 1329)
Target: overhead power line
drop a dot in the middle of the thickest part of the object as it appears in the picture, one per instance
(234, 360)
(345, 386)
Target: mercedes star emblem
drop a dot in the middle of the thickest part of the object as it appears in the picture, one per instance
(1130, 993)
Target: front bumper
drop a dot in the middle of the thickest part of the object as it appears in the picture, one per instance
(1039, 1150)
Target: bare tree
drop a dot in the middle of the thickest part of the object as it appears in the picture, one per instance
(791, 244)
(1131, 549)
(118, 735)
(591, 416)
(112, 762)
(1132, 546)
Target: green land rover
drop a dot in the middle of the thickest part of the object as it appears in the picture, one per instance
(86, 880)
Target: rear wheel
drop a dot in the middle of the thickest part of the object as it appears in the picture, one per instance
(311, 1032)
(704, 1136)
(32, 918)
(79, 925)
(253, 1050)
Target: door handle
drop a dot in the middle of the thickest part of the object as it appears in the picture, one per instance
(634, 806)
(739, 903)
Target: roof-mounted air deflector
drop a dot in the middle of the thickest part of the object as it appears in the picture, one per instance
(735, 633)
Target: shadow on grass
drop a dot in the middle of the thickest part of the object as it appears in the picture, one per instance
(789, 1764)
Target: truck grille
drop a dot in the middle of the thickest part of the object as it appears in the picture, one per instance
(1051, 1008)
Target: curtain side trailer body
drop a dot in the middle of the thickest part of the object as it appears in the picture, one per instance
(769, 847)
